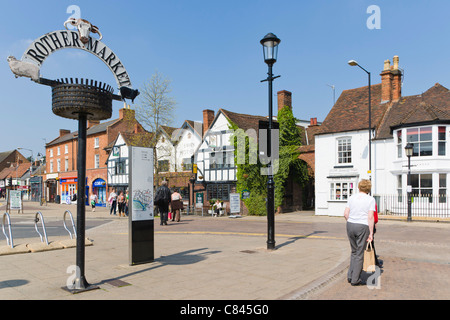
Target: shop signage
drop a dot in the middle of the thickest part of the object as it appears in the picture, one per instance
(15, 199)
(99, 183)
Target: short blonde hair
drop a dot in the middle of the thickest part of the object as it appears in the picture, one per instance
(365, 186)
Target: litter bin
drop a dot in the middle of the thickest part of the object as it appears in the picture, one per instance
(58, 199)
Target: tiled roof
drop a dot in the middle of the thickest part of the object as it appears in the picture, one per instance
(351, 110)
(351, 113)
(15, 172)
(92, 130)
(430, 106)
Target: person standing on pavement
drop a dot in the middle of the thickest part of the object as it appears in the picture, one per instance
(93, 201)
(162, 200)
(176, 205)
(121, 204)
(112, 201)
(359, 214)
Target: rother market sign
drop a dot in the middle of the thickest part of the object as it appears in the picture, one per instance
(33, 58)
(42, 47)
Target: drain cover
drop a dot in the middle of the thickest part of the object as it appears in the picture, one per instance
(117, 283)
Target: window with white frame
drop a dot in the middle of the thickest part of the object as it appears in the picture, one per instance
(58, 165)
(341, 190)
(344, 150)
(97, 161)
(51, 152)
(96, 143)
(399, 188)
(399, 144)
(58, 151)
(441, 141)
(422, 185)
(51, 166)
(442, 188)
(422, 140)
(66, 164)
(66, 149)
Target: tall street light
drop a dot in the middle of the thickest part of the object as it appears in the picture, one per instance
(409, 152)
(354, 63)
(270, 50)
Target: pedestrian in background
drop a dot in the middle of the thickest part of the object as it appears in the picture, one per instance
(176, 204)
(121, 204)
(112, 201)
(162, 200)
(93, 201)
(126, 203)
(359, 214)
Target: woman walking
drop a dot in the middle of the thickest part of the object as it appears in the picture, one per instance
(360, 221)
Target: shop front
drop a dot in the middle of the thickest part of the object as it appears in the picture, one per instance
(68, 189)
(99, 189)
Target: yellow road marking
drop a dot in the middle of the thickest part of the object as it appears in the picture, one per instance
(248, 234)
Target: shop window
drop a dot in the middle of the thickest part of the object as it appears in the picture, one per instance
(341, 190)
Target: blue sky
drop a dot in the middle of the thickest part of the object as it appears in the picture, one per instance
(211, 52)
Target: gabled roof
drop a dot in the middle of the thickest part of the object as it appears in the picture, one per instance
(243, 121)
(351, 110)
(5, 154)
(432, 106)
(102, 127)
(14, 171)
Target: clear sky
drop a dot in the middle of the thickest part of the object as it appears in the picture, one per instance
(210, 50)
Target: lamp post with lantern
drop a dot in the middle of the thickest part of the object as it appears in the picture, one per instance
(270, 44)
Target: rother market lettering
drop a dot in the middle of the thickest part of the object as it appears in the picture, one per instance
(42, 47)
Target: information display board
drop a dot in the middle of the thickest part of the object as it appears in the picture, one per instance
(140, 204)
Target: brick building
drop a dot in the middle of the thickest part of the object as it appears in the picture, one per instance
(62, 152)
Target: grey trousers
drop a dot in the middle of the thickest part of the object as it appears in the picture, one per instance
(357, 235)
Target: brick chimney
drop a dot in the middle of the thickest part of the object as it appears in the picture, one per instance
(208, 118)
(284, 99)
(313, 122)
(92, 123)
(391, 81)
(63, 132)
(126, 113)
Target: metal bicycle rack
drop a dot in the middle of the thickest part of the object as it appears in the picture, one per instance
(36, 220)
(9, 239)
(73, 224)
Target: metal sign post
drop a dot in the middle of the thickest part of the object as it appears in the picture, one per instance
(140, 204)
(78, 99)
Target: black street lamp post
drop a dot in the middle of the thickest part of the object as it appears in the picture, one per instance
(354, 63)
(409, 152)
(270, 49)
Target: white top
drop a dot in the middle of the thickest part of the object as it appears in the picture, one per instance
(360, 204)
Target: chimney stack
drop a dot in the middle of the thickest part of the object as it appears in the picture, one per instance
(284, 99)
(126, 113)
(391, 81)
(208, 118)
(313, 122)
(63, 132)
(91, 123)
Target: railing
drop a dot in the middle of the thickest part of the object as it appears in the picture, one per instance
(36, 220)
(431, 206)
(9, 239)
